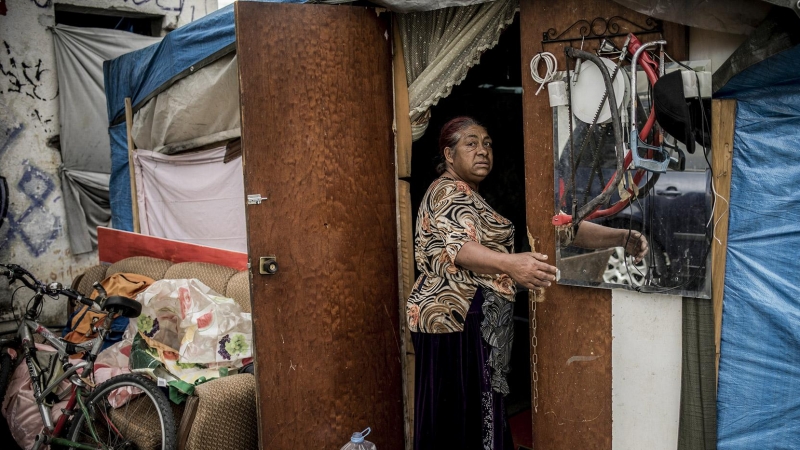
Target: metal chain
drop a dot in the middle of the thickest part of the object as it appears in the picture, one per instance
(533, 299)
(534, 356)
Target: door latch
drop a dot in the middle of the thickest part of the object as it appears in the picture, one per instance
(255, 199)
(267, 265)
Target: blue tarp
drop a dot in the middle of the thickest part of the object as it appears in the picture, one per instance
(759, 375)
(144, 73)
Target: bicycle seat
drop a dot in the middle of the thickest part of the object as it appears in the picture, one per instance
(123, 305)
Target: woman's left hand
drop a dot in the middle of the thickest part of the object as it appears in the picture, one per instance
(635, 244)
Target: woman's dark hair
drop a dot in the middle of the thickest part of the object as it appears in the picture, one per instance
(450, 135)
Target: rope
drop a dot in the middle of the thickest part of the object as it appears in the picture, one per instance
(552, 65)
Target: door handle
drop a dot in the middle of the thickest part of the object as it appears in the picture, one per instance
(671, 191)
(267, 265)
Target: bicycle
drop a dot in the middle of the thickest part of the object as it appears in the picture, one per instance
(90, 420)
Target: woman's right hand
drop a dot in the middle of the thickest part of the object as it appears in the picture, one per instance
(530, 270)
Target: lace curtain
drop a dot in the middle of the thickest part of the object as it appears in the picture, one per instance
(440, 46)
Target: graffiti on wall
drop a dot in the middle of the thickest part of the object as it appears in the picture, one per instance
(36, 227)
(164, 5)
(22, 76)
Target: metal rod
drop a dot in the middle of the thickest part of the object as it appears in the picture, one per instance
(605, 36)
(634, 92)
(61, 378)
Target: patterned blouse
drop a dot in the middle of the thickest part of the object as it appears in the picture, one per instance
(450, 215)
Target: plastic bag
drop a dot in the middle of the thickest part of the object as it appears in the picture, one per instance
(191, 331)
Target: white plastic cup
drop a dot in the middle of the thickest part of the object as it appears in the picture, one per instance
(557, 90)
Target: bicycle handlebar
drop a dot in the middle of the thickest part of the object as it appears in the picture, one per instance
(14, 272)
(69, 293)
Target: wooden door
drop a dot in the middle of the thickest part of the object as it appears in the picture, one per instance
(316, 105)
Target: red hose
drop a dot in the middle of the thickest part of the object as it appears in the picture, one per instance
(650, 67)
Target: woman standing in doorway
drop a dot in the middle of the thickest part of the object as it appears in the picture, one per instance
(464, 295)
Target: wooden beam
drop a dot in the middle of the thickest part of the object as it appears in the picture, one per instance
(402, 121)
(131, 171)
(723, 120)
(407, 264)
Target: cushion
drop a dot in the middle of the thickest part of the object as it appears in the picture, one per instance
(239, 289)
(214, 276)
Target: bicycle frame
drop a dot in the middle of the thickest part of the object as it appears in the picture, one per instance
(27, 328)
(25, 333)
(26, 348)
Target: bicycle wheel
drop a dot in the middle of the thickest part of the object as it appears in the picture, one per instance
(144, 422)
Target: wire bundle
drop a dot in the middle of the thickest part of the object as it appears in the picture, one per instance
(551, 64)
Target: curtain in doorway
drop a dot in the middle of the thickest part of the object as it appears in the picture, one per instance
(85, 146)
(440, 46)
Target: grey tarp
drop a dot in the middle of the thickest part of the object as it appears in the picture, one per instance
(198, 110)
(728, 16)
(85, 147)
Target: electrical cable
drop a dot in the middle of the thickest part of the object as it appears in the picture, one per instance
(703, 127)
(552, 66)
(697, 273)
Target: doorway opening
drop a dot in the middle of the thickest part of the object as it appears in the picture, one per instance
(492, 94)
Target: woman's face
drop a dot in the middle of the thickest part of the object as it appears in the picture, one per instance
(472, 158)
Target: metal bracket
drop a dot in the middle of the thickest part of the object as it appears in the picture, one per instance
(255, 199)
(648, 164)
(601, 28)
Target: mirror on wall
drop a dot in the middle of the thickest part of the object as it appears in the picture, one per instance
(672, 209)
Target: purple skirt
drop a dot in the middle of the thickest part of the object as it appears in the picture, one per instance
(454, 406)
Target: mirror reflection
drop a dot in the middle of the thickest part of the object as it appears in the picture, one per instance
(663, 190)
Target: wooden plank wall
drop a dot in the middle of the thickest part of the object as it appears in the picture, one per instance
(574, 399)
(723, 120)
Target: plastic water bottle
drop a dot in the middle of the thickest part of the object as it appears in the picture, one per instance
(357, 441)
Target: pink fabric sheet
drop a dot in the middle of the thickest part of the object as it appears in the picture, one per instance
(192, 197)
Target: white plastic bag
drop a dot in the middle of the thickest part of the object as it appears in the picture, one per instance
(192, 330)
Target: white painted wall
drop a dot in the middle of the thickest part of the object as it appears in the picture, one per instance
(647, 345)
(646, 370)
(34, 234)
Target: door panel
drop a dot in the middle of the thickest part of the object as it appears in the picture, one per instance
(315, 85)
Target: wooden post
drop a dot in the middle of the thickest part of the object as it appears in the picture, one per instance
(402, 121)
(134, 202)
(723, 119)
(406, 283)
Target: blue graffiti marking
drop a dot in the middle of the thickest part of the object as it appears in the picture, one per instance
(36, 227)
(41, 237)
(178, 8)
(8, 135)
(36, 184)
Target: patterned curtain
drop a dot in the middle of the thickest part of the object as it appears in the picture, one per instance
(441, 45)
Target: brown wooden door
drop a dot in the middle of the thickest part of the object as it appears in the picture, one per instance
(316, 105)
